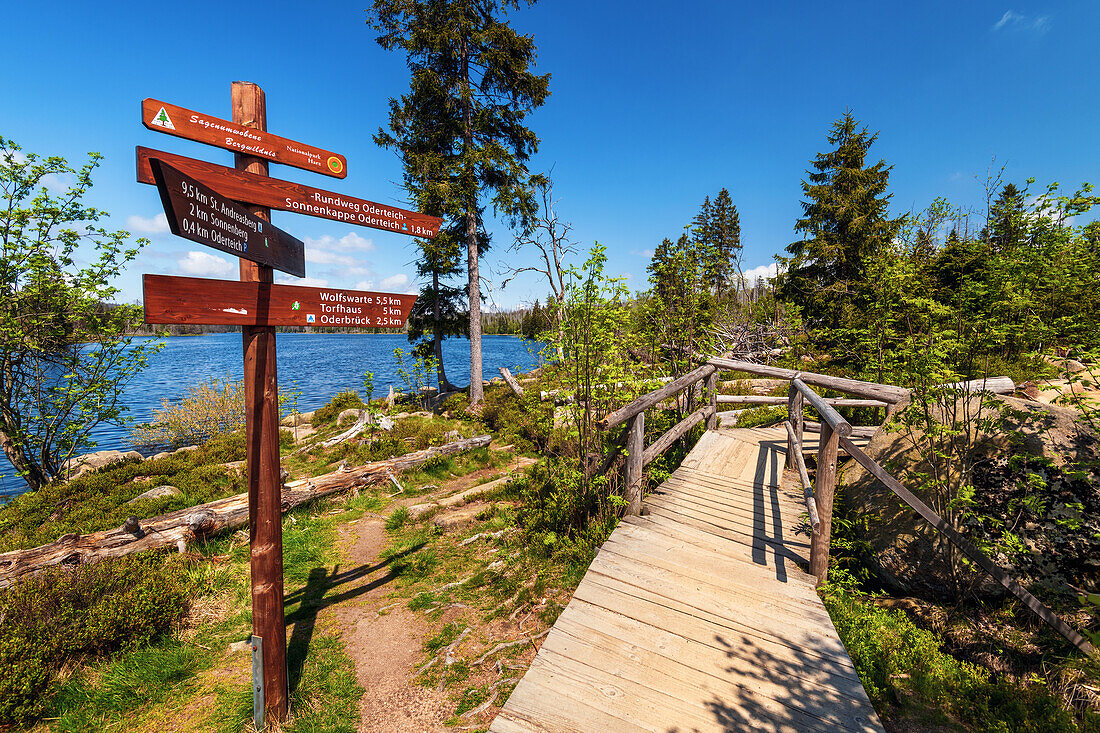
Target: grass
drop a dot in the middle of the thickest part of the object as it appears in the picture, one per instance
(908, 675)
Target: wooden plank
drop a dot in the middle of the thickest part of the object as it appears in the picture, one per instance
(709, 594)
(739, 580)
(713, 559)
(650, 606)
(663, 661)
(685, 636)
(199, 213)
(636, 700)
(778, 549)
(541, 704)
(771, 499)
(673, 525)
(283, 195)
(754, 527)
(170, 299)
(172, 119)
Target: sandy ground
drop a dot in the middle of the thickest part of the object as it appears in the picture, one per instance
(385, 647)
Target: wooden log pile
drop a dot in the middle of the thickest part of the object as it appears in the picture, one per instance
(179, 527)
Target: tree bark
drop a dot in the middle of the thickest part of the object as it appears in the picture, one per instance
(477, 390)
(437, 338)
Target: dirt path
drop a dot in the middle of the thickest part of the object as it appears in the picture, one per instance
(385, 647)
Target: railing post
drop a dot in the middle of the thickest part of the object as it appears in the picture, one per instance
(824, 486)
(794, 414)
(635, 447)
(712, 393)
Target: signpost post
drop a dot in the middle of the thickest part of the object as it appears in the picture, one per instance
(228, 209)
(261, 417)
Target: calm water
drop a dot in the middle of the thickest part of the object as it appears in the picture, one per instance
(320, 365)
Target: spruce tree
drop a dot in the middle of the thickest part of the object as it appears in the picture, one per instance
(845, 222)
(725, 233)
(472, 74)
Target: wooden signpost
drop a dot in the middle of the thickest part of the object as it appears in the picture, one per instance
(199, 213)
(273, 193)
(227, 302)
(229, 209)
(240, 138)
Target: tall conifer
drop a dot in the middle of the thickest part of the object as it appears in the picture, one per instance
(845, 222)
(473, 74)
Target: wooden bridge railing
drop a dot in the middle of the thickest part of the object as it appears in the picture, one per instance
(835, 433)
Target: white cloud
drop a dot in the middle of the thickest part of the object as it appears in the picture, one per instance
(305, 282)
(646, 253)
(365, 285)
(327, 257)
(142, 225)
(350, 242)
(204, 263)
(1018, 21)
(761, 272)
(399, 280)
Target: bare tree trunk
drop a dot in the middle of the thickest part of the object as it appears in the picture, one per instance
(437, 338)
(477, 392)
(35, 477)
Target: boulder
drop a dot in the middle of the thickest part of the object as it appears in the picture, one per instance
(347, 417)
(1024, 456)
(158, 493)
(297, 418)
(80, 465)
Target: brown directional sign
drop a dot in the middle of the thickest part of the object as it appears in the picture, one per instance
(231, 303)
(199, 213)
(182, 122)
(287, 196)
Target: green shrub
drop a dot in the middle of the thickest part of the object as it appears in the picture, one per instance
(60, 616)
(757, 416)
(896, 659)
(97, 500)
(524, 422)
(209, 409)
(341, 401)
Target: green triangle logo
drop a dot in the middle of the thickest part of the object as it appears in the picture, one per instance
(161, 119)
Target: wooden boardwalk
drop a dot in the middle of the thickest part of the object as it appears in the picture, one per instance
(698, 616)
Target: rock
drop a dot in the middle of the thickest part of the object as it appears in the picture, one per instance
(1065, 364)
(496, 381)
(80, 465)
(297, 418)
(240, 646)
(347, 417)
(463, 517)
(158, 493)
(908, 555)
(451, 435)
(158, 456)
(302, 432)
(185, 449)
(416, 511)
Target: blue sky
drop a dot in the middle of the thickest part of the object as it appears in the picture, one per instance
(653, 106)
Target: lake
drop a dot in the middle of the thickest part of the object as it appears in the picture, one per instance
(320, 365)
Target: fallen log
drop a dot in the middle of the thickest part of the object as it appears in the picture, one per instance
(208, 519)
(511, 381)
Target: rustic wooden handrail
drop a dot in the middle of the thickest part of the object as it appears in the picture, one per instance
(884, 392)
(745, 399)
(803, 474)
(646, 401)
(674, 433)
(828, 412)
(977, 556)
